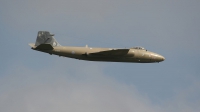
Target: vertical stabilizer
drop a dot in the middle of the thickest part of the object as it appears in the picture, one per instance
(44, 37)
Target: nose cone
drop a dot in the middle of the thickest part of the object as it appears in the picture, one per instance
(161, 58)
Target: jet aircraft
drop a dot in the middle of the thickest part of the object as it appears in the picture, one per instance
(46, 42)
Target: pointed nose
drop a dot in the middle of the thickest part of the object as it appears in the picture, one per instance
(161, 58)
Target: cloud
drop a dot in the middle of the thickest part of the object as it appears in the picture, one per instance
(44, 91)
(186, 100)
(84, 88)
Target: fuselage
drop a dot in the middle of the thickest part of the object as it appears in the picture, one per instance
(46, 42)
(84, 53)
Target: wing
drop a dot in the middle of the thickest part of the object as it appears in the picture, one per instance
(110, 53)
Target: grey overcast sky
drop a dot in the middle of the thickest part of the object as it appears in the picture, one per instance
(32, 81)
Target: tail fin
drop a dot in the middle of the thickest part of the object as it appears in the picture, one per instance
(44, 37)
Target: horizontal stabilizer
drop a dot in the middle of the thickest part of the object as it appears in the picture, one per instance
(44, 47)
(32, 45)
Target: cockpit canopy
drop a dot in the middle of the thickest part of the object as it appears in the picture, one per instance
(142, 48)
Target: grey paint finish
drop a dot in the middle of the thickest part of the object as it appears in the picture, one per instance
(44, 37)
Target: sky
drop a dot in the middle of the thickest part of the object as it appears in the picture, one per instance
(33, 81)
